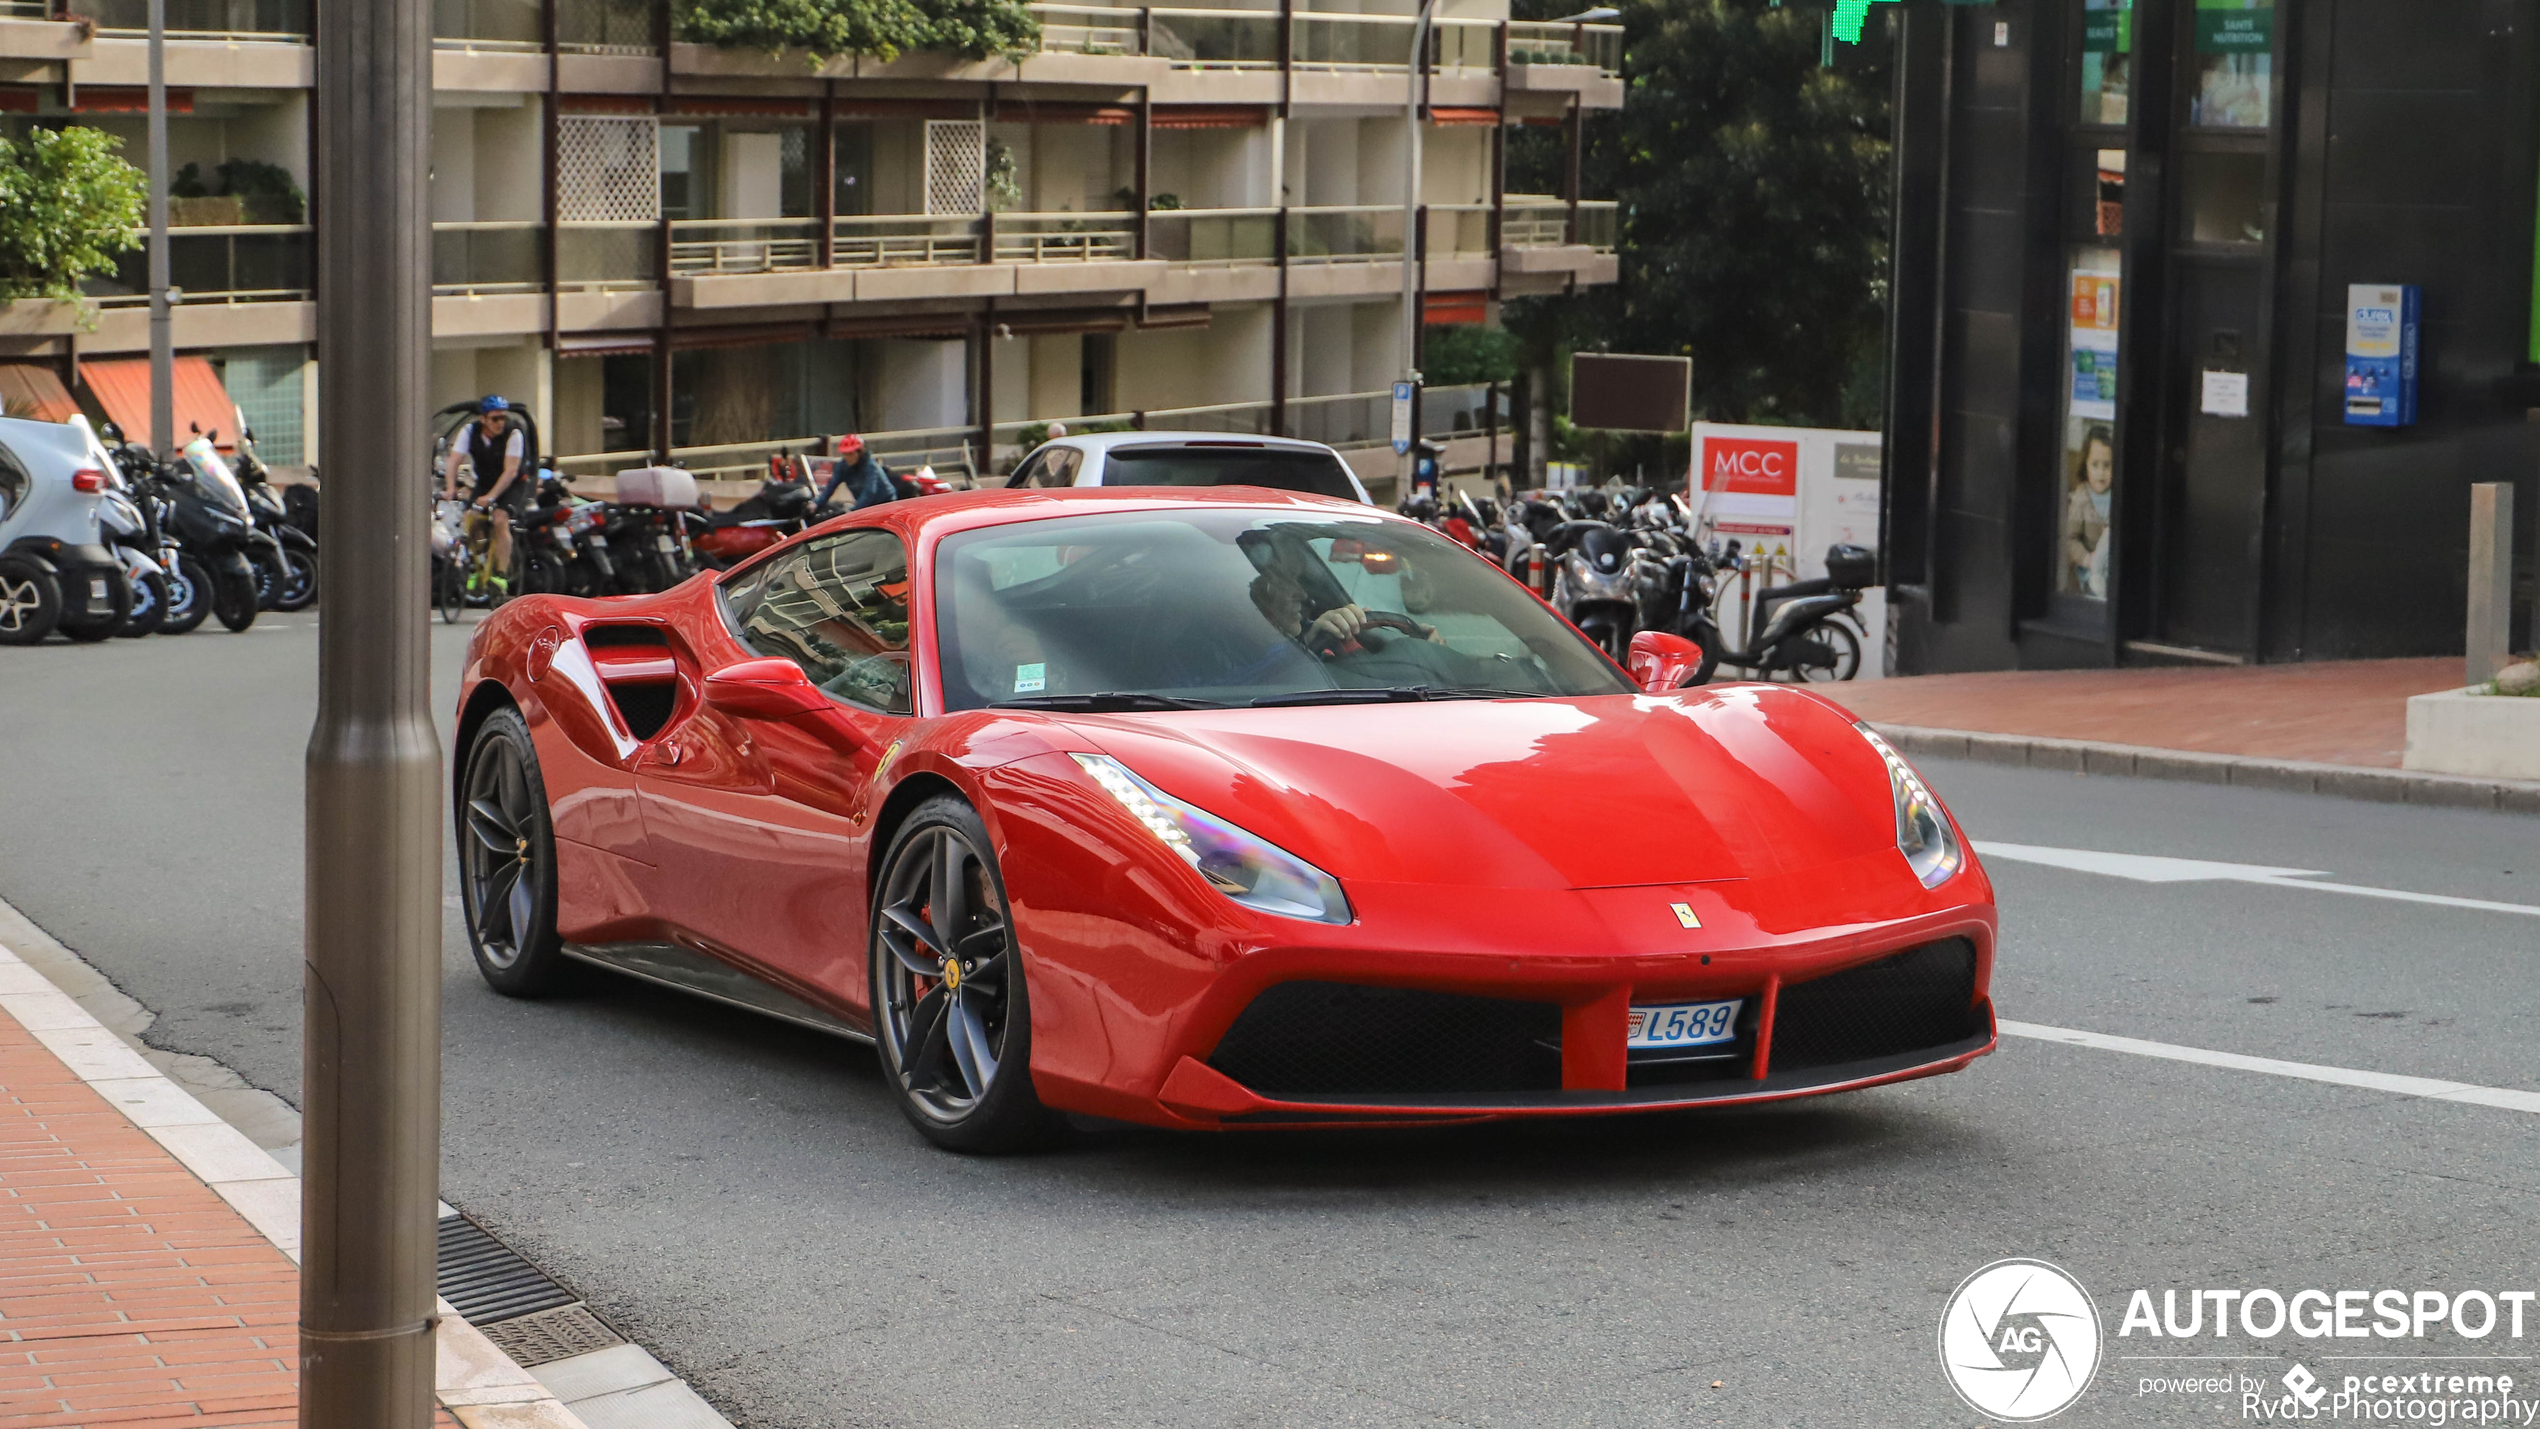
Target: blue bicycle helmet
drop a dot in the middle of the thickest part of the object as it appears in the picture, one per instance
(492, 403)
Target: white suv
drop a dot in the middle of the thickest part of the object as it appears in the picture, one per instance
(1189, 459)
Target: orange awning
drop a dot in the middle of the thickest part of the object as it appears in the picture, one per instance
(36, 393)
(121, 386)
(1448, 309)
(1443, 114)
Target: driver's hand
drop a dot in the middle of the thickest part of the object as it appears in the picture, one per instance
(1336, 626)
(1430, 634)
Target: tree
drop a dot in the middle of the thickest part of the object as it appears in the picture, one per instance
(1753, 183)
(68, 205)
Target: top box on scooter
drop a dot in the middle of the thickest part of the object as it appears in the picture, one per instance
(656, 486)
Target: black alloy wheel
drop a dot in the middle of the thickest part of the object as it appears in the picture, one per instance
(951, 1014)
(30, 601)
(507, 862)
(299, 581)
(189, 596)
(149, 606)
(271, 576)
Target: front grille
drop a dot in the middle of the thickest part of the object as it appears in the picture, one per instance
(1323, 1039)
(1922, 997)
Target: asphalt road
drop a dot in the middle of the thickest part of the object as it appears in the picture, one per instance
(741, 1197)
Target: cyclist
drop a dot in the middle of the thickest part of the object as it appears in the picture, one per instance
(495, 450)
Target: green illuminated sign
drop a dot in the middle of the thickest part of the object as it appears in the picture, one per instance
(2234, 27)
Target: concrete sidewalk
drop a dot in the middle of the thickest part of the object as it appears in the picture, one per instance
(149, 1273)
(2334, 727)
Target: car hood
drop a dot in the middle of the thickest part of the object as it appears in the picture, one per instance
(1610, 791)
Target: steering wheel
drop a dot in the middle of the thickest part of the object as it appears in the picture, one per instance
(1376, 620)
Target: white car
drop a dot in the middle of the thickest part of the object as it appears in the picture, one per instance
(1189, 459)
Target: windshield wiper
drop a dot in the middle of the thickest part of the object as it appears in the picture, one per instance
(1106, 703)
(1389, 694)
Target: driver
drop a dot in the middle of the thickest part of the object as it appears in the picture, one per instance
(493, 448)
(1283, 601)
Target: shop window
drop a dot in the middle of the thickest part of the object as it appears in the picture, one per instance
(2107, 60)
(2225, 197)
(2235, 73)
(2086, 473)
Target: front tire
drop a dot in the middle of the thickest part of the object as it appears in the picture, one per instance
(30, 601)
(299, 583)
(951, 1012)
(149, 607)
(507, 862)
(189, 597)
(234, 599)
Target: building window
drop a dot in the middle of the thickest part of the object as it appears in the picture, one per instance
(2086, 510)
(2235, 70)
(267, 385)
(2107, 60)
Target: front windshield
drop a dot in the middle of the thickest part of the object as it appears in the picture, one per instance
(1233, 607)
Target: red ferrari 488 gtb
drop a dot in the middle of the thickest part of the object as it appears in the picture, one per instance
(1208, 808)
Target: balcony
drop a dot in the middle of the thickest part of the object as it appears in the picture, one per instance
(1539, 221)
(1355, 233)
(287, 21)
(605, 257)
(244, 263)
(1550, 43)
(1213, 237)
(478, 259)
(904, 240)
(702, 246)
(488, 25)
(1214, 39)
(606, 27)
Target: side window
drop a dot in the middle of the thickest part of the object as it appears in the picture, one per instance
(1029, 474)
(839, 608)
(1050, 466)
(14, 482)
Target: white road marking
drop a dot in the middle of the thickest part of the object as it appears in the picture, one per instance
(2151, 868)
(2431, 1088)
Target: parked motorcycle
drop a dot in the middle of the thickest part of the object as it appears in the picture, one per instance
(567, 542)
(780, 507)
(648, 535)
(289, 581)
(1795, 629)
(209, 513)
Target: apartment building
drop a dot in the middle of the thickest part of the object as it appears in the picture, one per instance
(1166, 217)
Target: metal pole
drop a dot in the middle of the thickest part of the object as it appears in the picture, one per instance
(372, 1014)
(162, 331)
(2491, 579)
(1411, 227)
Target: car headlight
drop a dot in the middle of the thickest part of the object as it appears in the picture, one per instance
(1248, 869)
(1923, 834)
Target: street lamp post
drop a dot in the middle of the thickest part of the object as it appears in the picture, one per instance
(163, 440)
(1411, 228)
(372, 988)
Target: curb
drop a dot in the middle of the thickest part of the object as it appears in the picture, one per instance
(2344, 781)
(51, 992)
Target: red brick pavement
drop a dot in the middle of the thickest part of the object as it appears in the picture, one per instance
(130, 1294)
(2336, 712)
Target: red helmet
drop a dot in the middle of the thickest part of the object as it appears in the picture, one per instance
(850, 445)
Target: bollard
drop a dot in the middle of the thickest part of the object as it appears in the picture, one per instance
(2491, 579)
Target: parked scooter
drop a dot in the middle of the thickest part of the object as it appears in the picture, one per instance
(1795, 629)
(780, 507)
(188, 595)
(1593, 570)
(647, 535)
(209, 512)
(290, 581)
(567, 541)
(56, 572)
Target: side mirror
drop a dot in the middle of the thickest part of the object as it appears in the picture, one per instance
(1661, 662)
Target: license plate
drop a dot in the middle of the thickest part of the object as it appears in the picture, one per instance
(666, 544)
(97, 590)
(1685, 1024)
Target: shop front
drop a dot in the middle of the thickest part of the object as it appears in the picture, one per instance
(2207, 313)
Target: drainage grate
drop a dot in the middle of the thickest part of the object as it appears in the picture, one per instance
(487, 1281)
(551, 1335)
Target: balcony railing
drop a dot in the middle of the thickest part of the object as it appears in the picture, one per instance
(744, 245)
(1458, 230)
(1546, 42)
(1350, 419)
(904, 240)
(597, 257)
(1534, 221)
(1090, 30)
(1214, 39)
(248, 263)
(488, 25)
(1065, 237)
(605, 27)
(477, 258)
(1361, 233)
(1460, 411)
(269, 20)
(1213, 237)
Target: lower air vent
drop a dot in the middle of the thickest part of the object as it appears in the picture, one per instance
(645, 708)
(1922, 997)
(1327, 1039)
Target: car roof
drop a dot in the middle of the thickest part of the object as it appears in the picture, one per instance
(1106, 441)
(928, 517)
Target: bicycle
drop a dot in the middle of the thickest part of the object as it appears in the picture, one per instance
(464, 575)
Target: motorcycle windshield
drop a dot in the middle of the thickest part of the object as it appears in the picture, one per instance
(212, 474)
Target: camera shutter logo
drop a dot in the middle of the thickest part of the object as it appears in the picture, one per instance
(2020, 1341)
